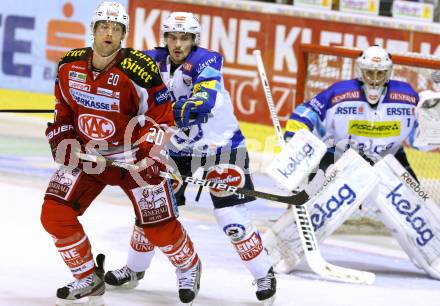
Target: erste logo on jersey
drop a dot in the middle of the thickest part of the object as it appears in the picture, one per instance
(400, 111)
(228, 174)
(349, 110)
(96, 127)
(96, 102)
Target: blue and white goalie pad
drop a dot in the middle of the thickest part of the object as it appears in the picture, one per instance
(409, 213)
(349, 181)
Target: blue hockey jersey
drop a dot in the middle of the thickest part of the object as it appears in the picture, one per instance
(200, 74)
(342, 118)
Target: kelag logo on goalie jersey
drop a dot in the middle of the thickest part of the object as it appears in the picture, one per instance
(345, 195)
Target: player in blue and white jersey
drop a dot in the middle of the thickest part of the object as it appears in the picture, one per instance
(371, 113)
(375, 116)
(209, 136)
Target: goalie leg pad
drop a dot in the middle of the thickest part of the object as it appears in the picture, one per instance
(236, 224)
(349, 182)
(410, 214)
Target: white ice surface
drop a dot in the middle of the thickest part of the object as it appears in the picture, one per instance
(31, 269)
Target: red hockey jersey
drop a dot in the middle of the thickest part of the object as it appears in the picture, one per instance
(127, 97)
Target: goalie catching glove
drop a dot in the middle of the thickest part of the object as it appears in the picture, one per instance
(191, 111)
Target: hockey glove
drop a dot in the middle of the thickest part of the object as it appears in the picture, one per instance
(63, 142)
(191, 111)
(153, 156)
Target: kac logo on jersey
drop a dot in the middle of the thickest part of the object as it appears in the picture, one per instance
(162, 96)
(96, 127)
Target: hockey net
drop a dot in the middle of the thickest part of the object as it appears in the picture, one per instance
(321, 66)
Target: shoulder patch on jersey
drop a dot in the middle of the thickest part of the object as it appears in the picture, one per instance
(75, 55)
(398, 96)
(140, 68)
(348, 95)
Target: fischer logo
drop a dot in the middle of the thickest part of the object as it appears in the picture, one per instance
(345, 195)
(405, 208)
(296, 160)
(96, 127)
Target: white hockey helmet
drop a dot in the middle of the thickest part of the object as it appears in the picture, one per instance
(110, 11)
(373, 69)
(181, 22)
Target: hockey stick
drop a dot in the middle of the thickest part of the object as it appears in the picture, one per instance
(302, 219)
(297, 199)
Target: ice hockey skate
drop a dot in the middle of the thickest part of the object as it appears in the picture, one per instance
(123, 277)
(266, 288)
(189, 283)
(87, 291)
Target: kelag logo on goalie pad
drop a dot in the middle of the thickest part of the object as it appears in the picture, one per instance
(345, 195)
(405, 208)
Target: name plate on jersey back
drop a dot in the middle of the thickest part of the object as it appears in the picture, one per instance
(298, 158)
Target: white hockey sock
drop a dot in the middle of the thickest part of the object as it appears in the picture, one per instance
(236, 224)
(140, 252)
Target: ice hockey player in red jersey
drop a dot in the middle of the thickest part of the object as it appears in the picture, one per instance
(111, 101)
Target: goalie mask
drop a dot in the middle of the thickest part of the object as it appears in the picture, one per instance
(110, 11)
(373, 69)
(182, 22)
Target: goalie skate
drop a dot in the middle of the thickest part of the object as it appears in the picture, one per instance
(87, 291)
(124, 277)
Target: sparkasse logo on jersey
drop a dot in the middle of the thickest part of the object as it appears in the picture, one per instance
(96, 102)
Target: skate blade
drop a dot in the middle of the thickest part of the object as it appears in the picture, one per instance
(85, 301)
(269, 301)
(127, 286)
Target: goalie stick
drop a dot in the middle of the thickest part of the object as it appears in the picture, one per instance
(302, 219)
(295, 200)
